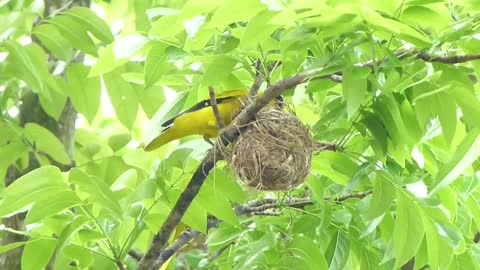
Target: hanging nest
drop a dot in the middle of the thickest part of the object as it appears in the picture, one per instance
(274, 152)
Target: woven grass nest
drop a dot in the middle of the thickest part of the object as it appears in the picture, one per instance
(274, 152)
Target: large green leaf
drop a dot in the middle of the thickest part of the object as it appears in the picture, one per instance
(75, 32)
(387, 110)
(156, 64)
(123, 98)
(98, 192)
(335, 165)
(408, 231)
(465, 154)
(118, 53)
(338, 251)
(258, 29)
(218, 70)
(235, 11)
(28, 64)
(46, 207)
(382, 197)
(45, 141)
(39, 184)
(308, 252)
(439, 252)
(91, 22)
(354, 87)
(215, 202)
(166, 27)
(9, 153)
(10, 246)
(84, 92)
(54, 41)
(36, 253)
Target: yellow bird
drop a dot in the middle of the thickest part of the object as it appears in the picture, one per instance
(199, 119)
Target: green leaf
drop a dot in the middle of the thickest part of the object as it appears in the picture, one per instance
(465, 154)
(39, 184)
(438, 18)
(334, 165)
(28, 64)
(156, 64)
(473, 205)
(45, 141)
(36, 253)
(305, 249)
(70, 230)
(9, 153)
(46, 207)
(377, 129)
(354, 88)
(338, 251)
(218, 70)
(439, 252)
(387, 110)
(92, 23)
(123, 98)
(117, 142)
(408, 231)
(127, 180)
(382, 197)
(22, 66)
(11, 246)
(84, 92)
(118, 53)
(75, 32)
(215, 201)
(166, 27)
(258, 29)
(235, 11)
(98, 192)
(83, 256)
(54, 41)
(151, 99)
(391, 26)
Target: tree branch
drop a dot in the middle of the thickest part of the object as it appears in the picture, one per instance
(181, 241)
(455, 59)
(213, 102)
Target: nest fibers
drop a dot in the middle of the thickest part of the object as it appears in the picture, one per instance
(274, 152)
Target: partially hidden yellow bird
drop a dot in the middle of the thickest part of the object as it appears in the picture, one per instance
(199, 119)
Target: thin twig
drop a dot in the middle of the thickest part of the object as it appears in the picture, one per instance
(135, 254)
(259, 77)
(181, 241)
(213, 102)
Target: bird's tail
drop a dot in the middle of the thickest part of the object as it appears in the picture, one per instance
(165, 137)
